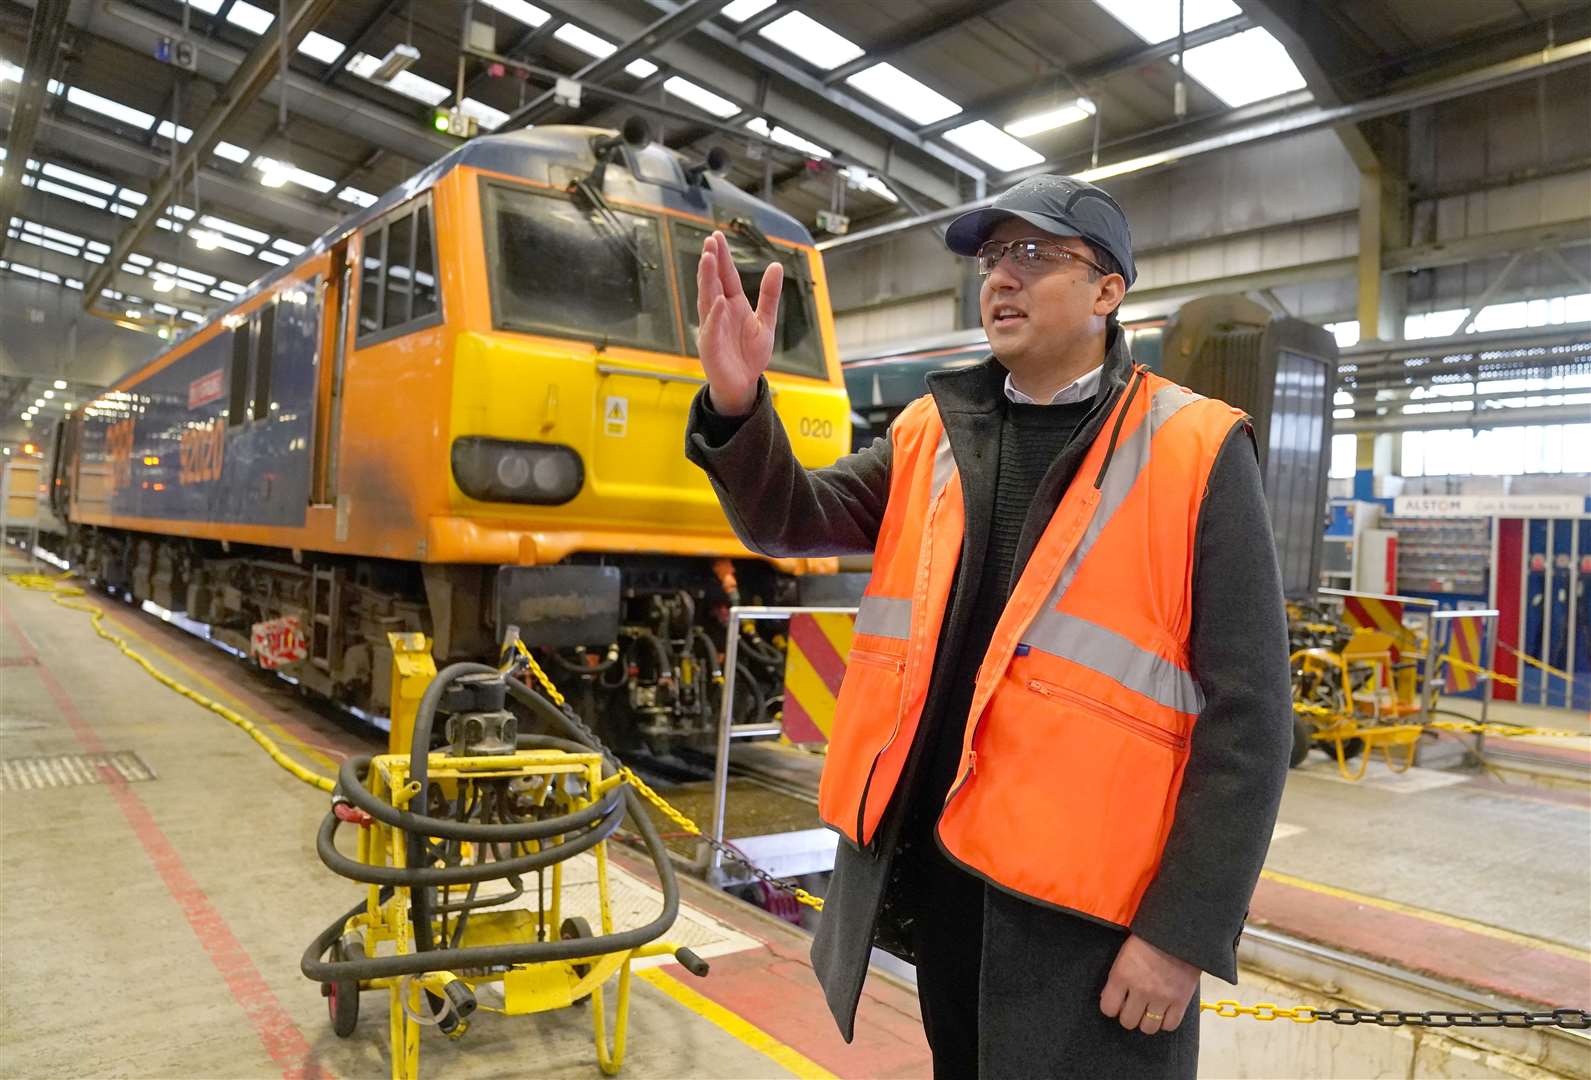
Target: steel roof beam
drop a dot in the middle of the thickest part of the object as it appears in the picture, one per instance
(669, 27)
(44, 46)
(1107, 67)
(399, 132)
(772, 13)
(836, 127)
(122, 156)
(912, 35)
(1277, 124)
(257, 69)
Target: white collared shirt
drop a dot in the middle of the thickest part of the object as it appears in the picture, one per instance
(1084, 388)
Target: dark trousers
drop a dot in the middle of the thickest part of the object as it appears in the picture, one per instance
(1009, 989)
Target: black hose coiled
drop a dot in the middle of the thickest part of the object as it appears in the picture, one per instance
(586, 828)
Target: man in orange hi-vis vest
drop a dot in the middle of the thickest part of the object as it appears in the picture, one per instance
(1064, 727)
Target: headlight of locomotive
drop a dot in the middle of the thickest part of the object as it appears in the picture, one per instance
(500, 470)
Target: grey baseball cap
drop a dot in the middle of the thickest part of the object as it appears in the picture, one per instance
(1061, 205)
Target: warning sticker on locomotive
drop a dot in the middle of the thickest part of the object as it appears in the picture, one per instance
(616, 416)
(205, 389)
(278, 642)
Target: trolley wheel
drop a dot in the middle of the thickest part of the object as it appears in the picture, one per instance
(1303, 736)
(574, 928)
(342, 995)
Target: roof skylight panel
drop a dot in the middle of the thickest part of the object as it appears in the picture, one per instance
(318, 46)
(128, 195)
(233, 245)
(811, 40)
(1156, 20)
(786, 138)
(178, 210)
(165, 129)
(10, 72)
(82, 180)
(54, 234)
(584, 40)
(302, 177)
(141, 260)
(193, 316)
(254, 20)
(641, 69)
(989, 144)
(741, 10)
(866, 181)
(165, 309)
(242, 232)
(209, 7)
(232, 152)
(133, 268)
(356, 196)
(66, 192)
(123, 209)
(701, 97)
(288, 246)
(1244, 68)
(529, 14)
(889, 85)
(83, 99)
(270, 257)
(488, 117)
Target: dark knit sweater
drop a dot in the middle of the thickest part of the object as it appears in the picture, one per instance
(1031, 438)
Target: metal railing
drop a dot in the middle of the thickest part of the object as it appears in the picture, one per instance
(728, 730)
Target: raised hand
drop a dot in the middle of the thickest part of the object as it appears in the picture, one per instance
(735, 342)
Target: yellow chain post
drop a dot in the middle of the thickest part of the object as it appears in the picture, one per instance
(412, 671)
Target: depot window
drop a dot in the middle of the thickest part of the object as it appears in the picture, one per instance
(571, 271)
(397, 284)
(797, 344)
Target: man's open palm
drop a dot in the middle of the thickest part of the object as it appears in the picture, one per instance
(736, 342)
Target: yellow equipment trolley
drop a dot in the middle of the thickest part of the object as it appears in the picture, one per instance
(497, 808)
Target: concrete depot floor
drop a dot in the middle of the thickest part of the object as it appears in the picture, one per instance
(154, 928)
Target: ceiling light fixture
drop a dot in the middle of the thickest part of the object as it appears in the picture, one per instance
(1081, 109)
(60, 384)
(162, 284)
(396, 61)
(206, 239)
(275, 174)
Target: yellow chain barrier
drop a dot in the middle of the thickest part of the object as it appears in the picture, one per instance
(644, 789)
(64, 595)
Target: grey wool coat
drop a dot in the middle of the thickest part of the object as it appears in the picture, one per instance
(1195, 907)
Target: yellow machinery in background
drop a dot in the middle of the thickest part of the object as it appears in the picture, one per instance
(1351, 701)
(463, 851)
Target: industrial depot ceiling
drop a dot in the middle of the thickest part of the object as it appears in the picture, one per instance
(875, 111)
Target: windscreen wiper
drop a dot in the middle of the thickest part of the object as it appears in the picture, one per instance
(749, 229)
(615, 231)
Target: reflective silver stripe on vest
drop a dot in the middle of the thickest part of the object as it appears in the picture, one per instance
(1112, 655)
(1126, 466)
(944, 466)
(884, 616)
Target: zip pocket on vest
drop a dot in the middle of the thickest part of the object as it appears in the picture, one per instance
(877, 659)
(1134, 724)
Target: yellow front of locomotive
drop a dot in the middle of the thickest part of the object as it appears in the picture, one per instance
(574, 361)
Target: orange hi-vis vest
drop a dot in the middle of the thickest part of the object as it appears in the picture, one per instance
(1074, 748)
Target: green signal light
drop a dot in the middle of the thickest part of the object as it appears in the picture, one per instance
(439, 120)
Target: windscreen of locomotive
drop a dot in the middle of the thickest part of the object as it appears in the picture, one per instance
(558, 268)
(797, 346)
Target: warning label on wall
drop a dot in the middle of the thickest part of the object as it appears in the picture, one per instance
(616, 416)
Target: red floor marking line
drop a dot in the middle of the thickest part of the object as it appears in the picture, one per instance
(277, 1033)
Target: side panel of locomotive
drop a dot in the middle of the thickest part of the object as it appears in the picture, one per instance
(216, 432)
